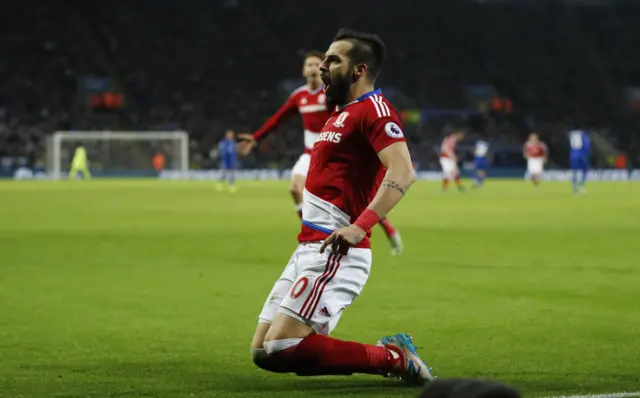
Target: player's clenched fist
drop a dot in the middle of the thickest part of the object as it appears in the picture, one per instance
(246, 144)
(344, 238)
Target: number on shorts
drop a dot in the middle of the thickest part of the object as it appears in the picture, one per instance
(299, 287)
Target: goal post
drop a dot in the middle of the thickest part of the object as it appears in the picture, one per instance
(118, 153)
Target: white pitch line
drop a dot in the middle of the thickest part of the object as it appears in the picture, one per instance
(611, 395)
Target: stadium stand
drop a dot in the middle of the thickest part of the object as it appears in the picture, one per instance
(206, 66)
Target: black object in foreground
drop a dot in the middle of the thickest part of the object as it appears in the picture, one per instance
(468, 388)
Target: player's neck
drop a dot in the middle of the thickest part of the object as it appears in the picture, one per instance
(313, 86)
(359, 89)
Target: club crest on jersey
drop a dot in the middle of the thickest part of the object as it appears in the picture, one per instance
(340, 120)
(322, 98)
(393, 130)
(303, 101)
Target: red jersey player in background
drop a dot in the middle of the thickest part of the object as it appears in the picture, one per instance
(536, 153)
(449, 160)
(310, 102)
(360, 169)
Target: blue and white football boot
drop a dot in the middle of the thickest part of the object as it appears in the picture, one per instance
(414, 370)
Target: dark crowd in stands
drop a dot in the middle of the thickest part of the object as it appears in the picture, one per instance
(204, 66)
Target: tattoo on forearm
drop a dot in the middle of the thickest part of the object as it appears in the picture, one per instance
(395, 185)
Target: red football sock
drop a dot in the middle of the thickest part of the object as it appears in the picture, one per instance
(386, 225)
(445, 183)
(318, 355)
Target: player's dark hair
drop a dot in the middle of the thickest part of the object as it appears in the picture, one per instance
(314, 53)
(367, 49)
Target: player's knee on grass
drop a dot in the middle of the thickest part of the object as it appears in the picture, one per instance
(262, 360)
(265, 344)
(270, 363)
(260, 357)
(259, 354)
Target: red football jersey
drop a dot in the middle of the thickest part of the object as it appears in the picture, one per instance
(345, 172)
(311, 106)
(448, 147)
(535, 149)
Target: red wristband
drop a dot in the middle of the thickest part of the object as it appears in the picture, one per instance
(367, 220)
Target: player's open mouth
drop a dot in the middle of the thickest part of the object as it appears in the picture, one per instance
(326, 81)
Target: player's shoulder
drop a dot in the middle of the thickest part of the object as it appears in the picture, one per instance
(376, 107)
(304, 89)
(376, 112)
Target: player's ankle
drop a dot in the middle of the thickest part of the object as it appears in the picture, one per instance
(396, 362)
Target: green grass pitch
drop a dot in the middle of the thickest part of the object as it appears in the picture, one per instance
(152, 288)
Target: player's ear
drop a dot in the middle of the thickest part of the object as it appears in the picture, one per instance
(359, 71)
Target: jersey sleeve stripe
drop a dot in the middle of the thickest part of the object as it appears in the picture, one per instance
(383, 107)
(376, 106)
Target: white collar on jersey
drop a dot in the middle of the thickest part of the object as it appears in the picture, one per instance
(317, 90)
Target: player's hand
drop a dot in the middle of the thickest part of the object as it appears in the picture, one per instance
(246, 145)
(245, 137)
(342, 239)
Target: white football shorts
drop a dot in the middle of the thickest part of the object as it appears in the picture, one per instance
(302, 165)
(449, 167)
(316, 287)
(535, 165)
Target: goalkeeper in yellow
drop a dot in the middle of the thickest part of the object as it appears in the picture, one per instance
(79, 164)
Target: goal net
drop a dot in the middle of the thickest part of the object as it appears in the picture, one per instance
(118, 153)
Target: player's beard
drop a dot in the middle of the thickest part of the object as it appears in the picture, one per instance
(338, 91)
